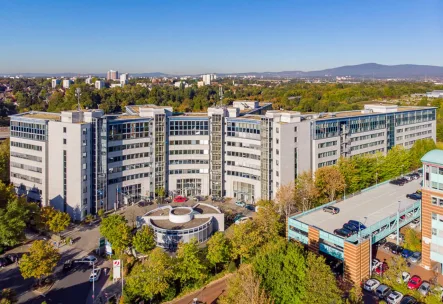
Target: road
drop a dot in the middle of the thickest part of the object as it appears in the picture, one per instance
(208, 294)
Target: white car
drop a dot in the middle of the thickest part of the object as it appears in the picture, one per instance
(394, 297)
(405, 276)
(375, 263)
(424, 288)
(89, 259)
(371, 285)
(95, 275)
(414, 224)
(243, 219)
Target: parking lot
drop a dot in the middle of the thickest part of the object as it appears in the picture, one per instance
(375, 205)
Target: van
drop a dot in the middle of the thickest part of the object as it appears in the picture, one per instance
(383, 291)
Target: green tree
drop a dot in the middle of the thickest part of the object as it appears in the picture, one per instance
(7, 193)
(219, 250)
(330, 181)
(144, 240)
(306, 193)
(397, 265)
(40, 261)
(268, 221)
(189, 267)
(245, 240)
(4, 161)
(8, 296)
(320, 283)
(13, 222)
(412, 240)
(150, 278)
(245, 287)
(420, 148)
(116, 230)
(59, 221)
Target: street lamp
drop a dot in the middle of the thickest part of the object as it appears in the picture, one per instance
(93, 279)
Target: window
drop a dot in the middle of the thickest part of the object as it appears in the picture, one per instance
(85, 177)
(434, 216)
(295, 129)
(434, 201)
(85, 202)
(277, 130)
(434, 231)
(64, 141)
(276, 173)
(84, 131)
(440, 202)
(276, 162)
(295, 139)
(277, 151)
(64, 129)
(276, 141)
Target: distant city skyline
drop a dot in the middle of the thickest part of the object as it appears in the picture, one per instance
(224, 37)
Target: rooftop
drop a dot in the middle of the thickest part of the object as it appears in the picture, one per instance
(433, 157)
(375, 204)
(167, 224)
(42, 115)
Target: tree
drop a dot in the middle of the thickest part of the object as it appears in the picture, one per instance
(244, 287)
(150, 278)
(285, 199)
(6, 194)
(330, 181)
(4, 161)
(144, 240)
(420, 148)
(8, 296)
(397, 265)
(321, 286)
(40, 261)
(412, 240)
(189, 267)
(59, 221)
(268, 220)
(116, 230)
(245, 240)
(218, 249)
(101, 212)
(306, 192)
(13, 222)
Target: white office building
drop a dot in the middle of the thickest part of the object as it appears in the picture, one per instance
(88, 80)
(207, 78)
(66, 83)
(99, 84)
(83, 161)
(55, 83)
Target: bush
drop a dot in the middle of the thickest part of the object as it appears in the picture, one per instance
(232, 267)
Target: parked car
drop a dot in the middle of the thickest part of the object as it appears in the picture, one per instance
(250, 207)
(67, 265)
(331, 209)
(95, 275)
(415, 223)
(405, 277)
(240, 203)
(383, 291)
(414, 282)
(350, 228)
(180, 199)
(12, 257)
(90, 259)
(357, 224)
(408, 300)
(414, 196)
(5, 262)
(415, 257)
(375, 263)
(343, 232)
(397, 182)
(237, 217)
(217, 199)
(382, 268)
(396, 249)
(371, 285)
(243, 219)
(407, 177)
(388, 246)
(197, 198)
(424, 288)
(394, 297)
(406, 253)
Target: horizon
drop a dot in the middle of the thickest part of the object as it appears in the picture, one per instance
(225, 38)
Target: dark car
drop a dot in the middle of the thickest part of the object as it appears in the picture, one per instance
(68, 265)
(351, 228)
(330, 209)
(250, 207)
(398, 182)
(406, 253)
(388, 245)
(357, 224)
(12, 257)
(408, 300)
(414, 196)
(4, 262)
(396, 249)
(343, 232)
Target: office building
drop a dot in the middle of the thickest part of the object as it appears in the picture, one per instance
(245, 151)
(435, 94)
(99, 84)
(207, 78)
(66, 83)
(432, 210)
(55, 83)
(88, 80)
(124, 78)
(112, 75)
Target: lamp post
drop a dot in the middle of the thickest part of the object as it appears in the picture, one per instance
(93, 280)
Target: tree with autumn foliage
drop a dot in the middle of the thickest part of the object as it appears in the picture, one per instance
(329, 181)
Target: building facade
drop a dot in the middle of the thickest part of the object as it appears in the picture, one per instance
(99, 84)
(245, 151)
(55, 83)
(432, 209)
(112, 75)
(66, 83)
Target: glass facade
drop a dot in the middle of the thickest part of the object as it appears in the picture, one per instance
(188, 127)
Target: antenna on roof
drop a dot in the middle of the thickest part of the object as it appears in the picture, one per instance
(78, 92)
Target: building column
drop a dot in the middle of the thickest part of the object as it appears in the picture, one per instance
(314, 237)
(356, 261)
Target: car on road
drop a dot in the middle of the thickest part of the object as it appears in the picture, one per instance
(408, 300)
(415, 257)
(67, 265)
(180, 199)
(12, 257)
(414, 282)
(397, 249)
(343, 232)
(406, 253)
(414, 196)
(394, 297)
(240, 203)
(382, 268)
(398, 182)
(5, 262)
(331, 209)
(250, 207)
(424, 288)
(383, 291)
(350, 228)
(405, 276)
(95, 275)
(90, 259)
(357, 224)
(371, 285)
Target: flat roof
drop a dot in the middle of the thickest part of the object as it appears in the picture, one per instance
(375, 204)
(435, 157)
(42, 115)
(167, 224)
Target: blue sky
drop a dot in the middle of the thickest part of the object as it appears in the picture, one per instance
(216, 36)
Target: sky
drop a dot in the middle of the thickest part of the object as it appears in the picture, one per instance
(192, 37)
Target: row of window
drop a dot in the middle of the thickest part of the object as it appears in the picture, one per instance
(365, 137)
(126, 178)
(28, 135)
(26, 156)
(243, 145)
(437, 186)
(369, 152)
(242, 174)
(364, 146)
(328, 163)
(189, 162)
(418, 134)
(327, 154)
(26, 146)
(245, 155)
(129, 130)
(128, 146)
(129, 156)
(188, 127)
(181, 152)
(416, 128)
(437, 200)
(26, 167)
(129, 167)
(408, 118)
(188, 142)
(27, 178)
(188, 171)
(243, 165)
(436, 170)
(327, 144)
